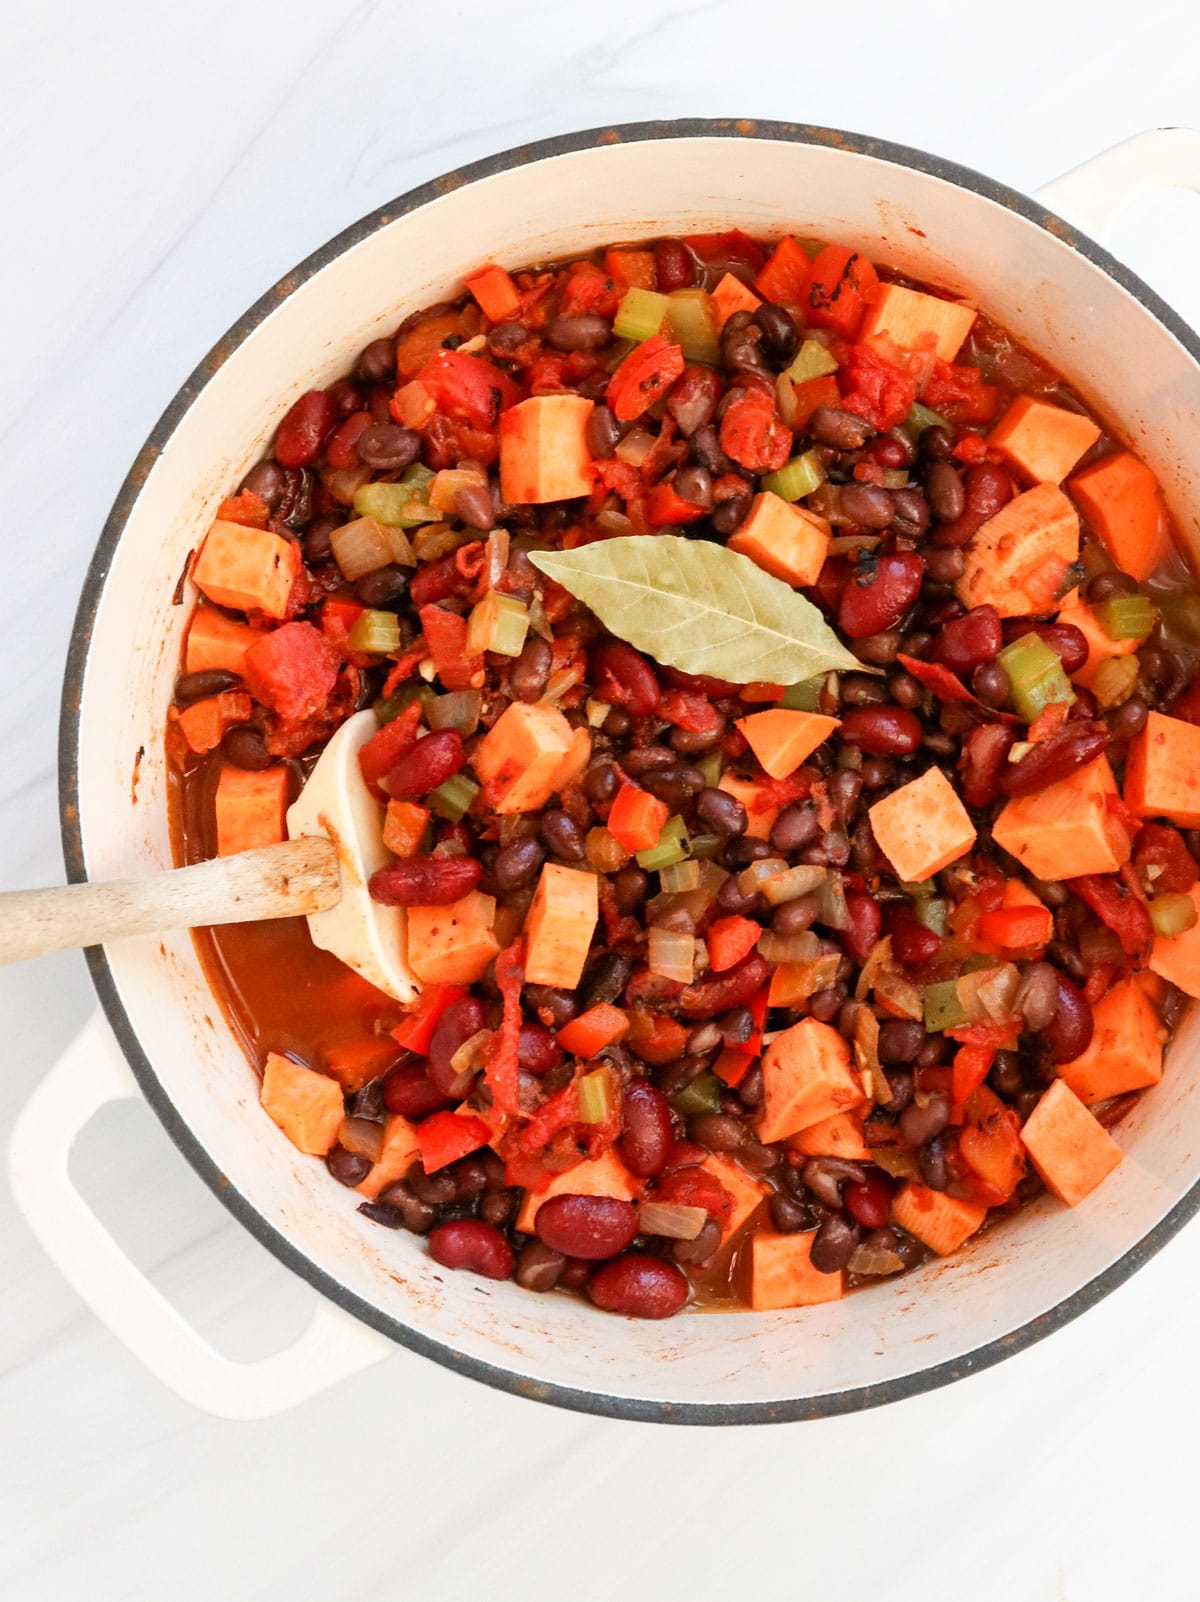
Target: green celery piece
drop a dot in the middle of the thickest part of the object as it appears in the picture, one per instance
(1035, 675)
(710, 766)
(932, 913)
(672, 846)
(703, 1095)
(812, 360)
(796, 478)
(595, 1091)
(452, 799)
(921, 418)
(943, 1009)
(641, 314)
(693, 326)
(376, 633)
(512, 625)
(404, 504)
(1126, 617)
(803, 697)
(386, 710)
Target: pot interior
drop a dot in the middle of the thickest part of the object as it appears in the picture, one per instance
(1030, 279)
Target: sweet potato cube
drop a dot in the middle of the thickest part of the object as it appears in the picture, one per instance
(915, 321)
(922, 827)
(838, 1136)
(217, 641)
(354, 1063)
(249, 569)
(938, 1221)
(306, 1105)
(761, 816)
(560, 925)
(1101, 647)
(250, 809)
(1121, 499)
(1043, 442)
(605, 1175)
(452, 945)
(730, 296)
(781, 739)
(399, 1149)
(1162, 771)
(784, 540)
(807, 1076)
(1178, 960)
(1126, 1050)
(1070, 1149)
(522, 755)
(1069, 828)
(782, 1274)
(1017, 561)
(748, 1193)
(544, 453)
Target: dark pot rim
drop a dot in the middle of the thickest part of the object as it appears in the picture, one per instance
(584, 1401)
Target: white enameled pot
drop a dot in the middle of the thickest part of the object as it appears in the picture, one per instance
(159, 1033)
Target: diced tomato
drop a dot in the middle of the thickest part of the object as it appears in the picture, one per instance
(293, 670)
(645, 375)
(246, 508)
(468, 388)
(874, 389)
(1116, 905)
(947, 686)
(382, 751)
(991, 1145)
(959, 393)
(415, 1033)
(1163, 860)
(340, 451)
(446, 636)
(840, 289)
(687, 710)
(586, 288)
(753, 433)
(444, 1137)
(636, 817)
(696, 1187)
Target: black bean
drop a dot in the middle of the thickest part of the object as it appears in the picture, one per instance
(554, 1007)
(1037, 996)
(600, 783)
(674, 785)
(729, 514)
(736, 1026)
(316, 544)
(945, 493)
(936, 443)
(245, 747)
(900, 1041)
(348, 1167)
(191, 687)
(387, 447)
(876, 771)
(506, 340)
(700, 1249)
(990, 683)
(604, 979)
(862, 689)
(795, 827)
(539, 1267)
(905, 690)
(931, 1160)
(629, 887)
(437, 1189)
(377, 362)
(368, 1103)
(944, 564)
(741, 342)
(1107, 586)
(868, 505)
(561, 836)
(267, 480)
(498, 1207)
(845, 431)
(1005, 1076)
(779, 336)
(921, 1124)
(295, 504)
(744, 850)
(603, 432)
(722, 811)
(518, 864)
(793, 917)
(584, 331)
(833, 1244)
(825, 1004)
(705, 447)
(690, 742)
(789, 1215)
(718, 1131)
(528, 674)
(751, 1090)
(383, 589)
(694, 484)
(1129, 718)
(845, 791)
(880, 649)
(901, 1084)
(731, 899)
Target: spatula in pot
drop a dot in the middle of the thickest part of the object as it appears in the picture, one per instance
(320, 872)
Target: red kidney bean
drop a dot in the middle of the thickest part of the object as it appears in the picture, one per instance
(430, 762)
(1068, 749)
(984, 759)
(1069, 642)
(424, 881)
(718, 992)
(1069, 1032)
(305, 429)
(968, 641)
(861, 938)
(912, 942)
(882, 730)
(438, 581)
(591, 1227)
(692, 399)
(537, 1050)
(621, 674)
(988, 488)
(461, 1020)
(528, 675)
(639, 1286)
(869, 1203)
(945, 493)
(645, 1129)
(467, 1243)
(408, 1090)
(886, 450)
(871, 608)
(673, 266)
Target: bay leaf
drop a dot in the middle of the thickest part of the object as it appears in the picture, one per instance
(700, 608)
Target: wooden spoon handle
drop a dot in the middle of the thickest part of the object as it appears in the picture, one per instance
(278, 881)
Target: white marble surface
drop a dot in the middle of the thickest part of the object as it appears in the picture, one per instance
(160, 166)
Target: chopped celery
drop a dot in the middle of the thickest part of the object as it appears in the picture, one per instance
(917, 889)
(943, 1009)
(640, 315)
(680, 876)
(597, 1096)
(1115, 681)
(1126, 617)
(386, 710)
(921, 418)
(403, 504)
(710, 765)
(812, 360)
(376, 633)
(693, 325)
(703, 1095)
(803, 697)
(452, 799)
(796, 478)
(1172, 915)
(705, 846)
(1181, 613)
(1035, 675)
(672, 846)
(498, 623)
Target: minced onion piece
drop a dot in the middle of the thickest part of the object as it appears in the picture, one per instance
(1172, 915)
(469, 1055)
(795, 882)
(438, 539)
(799, 948)
(866, 1055)
(794, 982)
(876, 965)
(898, 1161)
(672, 1220)
(873, 1260)
(448, 482)
(833, 913)
(596, 712)
(362, 1136)
(559, 683)
(988, 994)
(672, 955)
(752, 879)
(635, 447)
(498, 623)
(931, 913)
(901, 995)
(359, 548)
(680, 876)
(605, 853)
(459, 710)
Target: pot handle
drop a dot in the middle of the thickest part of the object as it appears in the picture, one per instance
(1094, 194)
(90, 1073)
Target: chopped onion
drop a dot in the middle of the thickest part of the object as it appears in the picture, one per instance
(360, 547)
(398, 543)
(438, 539)
(605, 853)
(989, 994)
(344, 483)
(635, 447)
(752, 879)
(362, 1136)
(802, 947)
(866, 1054)
(833, 913)
(613, 522)
(596, 712)
(469, 1056)
(538, 621)
(787, 886)
(873, 1260)
(898, 1161)
(671, 1219)
(900, 994)
(672, 955)
(793, 982)
(680, 876)
(559, 683)
(459, 710)
(874, 968)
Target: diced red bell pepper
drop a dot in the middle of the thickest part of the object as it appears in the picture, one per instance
(384, 749)
(636, 817)
(729, 940)
(446, 637)
(645, 375)
(293, 670)
(994, 1035)
(599, 1026)
(468, 388)
(1159, 847)
(970, 1068)
(585, 288)
(733, 1065)
(841, 285)
(495, 293)
(655, 1037)
(444, 1137)
(663, 506)
(947, 686)
(812, 393)
(786, 276)
(1116, 905)
(874, 389)
(415, 1033)
(1017, 928)
(758, 1005)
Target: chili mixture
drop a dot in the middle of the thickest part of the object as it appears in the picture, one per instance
(731, 991)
